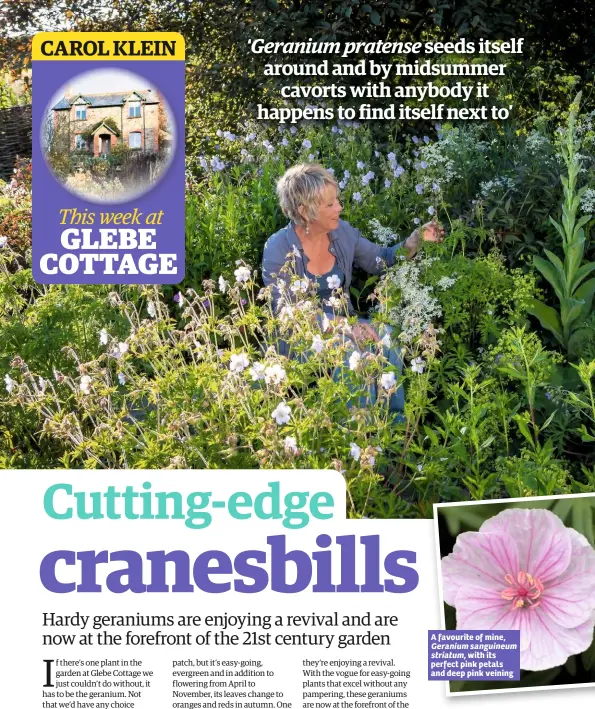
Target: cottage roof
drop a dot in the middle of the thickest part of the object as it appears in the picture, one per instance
(104, 100)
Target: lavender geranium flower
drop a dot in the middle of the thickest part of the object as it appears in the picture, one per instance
(357, 197)
(333, 282)
(274, 374)
(9, 383)
(388, 380)
(281, 414)
(85, 384)
(306, 143)
(257, 371)
(354, 451)
(419, 188)
(367, 177)
(524, 570)
(242, 274)
(417, 365)
(290, 445)
(238, 362)
(317, 344)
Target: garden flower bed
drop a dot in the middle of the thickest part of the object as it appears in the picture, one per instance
(496, 404)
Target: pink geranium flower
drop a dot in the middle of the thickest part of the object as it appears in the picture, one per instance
(524, 570)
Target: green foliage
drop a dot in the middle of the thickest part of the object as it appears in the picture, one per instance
(109, 122)
(570, 278)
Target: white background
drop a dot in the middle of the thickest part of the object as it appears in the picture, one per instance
(28, 534)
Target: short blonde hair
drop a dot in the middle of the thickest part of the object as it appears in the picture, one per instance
(302, 186)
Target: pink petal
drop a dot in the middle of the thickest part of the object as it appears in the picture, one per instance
(550, 644)
(485, 609)
(570, 599)
(543, 542)
(478, 560)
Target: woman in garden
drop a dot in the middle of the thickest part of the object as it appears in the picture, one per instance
(324, 249)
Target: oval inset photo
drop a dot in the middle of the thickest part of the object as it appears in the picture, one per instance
(108, 135)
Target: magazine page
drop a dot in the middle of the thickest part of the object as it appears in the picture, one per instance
(297, 354)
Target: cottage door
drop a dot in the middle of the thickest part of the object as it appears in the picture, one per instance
(105, 144)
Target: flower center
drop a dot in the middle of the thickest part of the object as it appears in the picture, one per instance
(524, 591)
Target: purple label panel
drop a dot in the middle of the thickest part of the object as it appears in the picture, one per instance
(480, 655)
(108, 163)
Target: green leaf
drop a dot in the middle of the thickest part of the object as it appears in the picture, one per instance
(551, 274)
(570, 310)
(557, 263)
(585, 293)
(548, 317)
(375, 18)
(559, 228)
(524, 429)
(581, 274)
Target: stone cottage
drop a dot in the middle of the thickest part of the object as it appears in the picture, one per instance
(97, 122)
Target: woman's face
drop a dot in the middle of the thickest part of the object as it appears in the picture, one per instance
(329, 210)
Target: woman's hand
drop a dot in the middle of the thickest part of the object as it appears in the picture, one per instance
(431, 231)
(363, 332)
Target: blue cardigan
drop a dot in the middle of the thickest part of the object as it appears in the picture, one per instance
(347, 244)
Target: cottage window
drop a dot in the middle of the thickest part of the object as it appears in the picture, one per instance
(134, 109)
(134, 140)
(81, 113)
(80, 143)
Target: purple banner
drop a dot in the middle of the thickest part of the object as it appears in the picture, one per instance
(480, 655)
(108, 158)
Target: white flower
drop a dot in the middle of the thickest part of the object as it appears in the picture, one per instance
(121, 378)
(242, 274)
(85, 384)
(333, 282)
(388, 380)
(222, 284)
(445, 282)
(123, 347)
(354, 361)
(291, 445)
(151, 309)
(286, 313)
(355, 451)
(317, 344)
(326, 323)
(335, 303)
(464, 430)
(238, 362)
(42, 384)
(385, 341)
(275, 374)
(300, 286)
(3, 241)
(103, 337)
(417, 365)
(257, 371)
(10, 383)
(282, 413)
